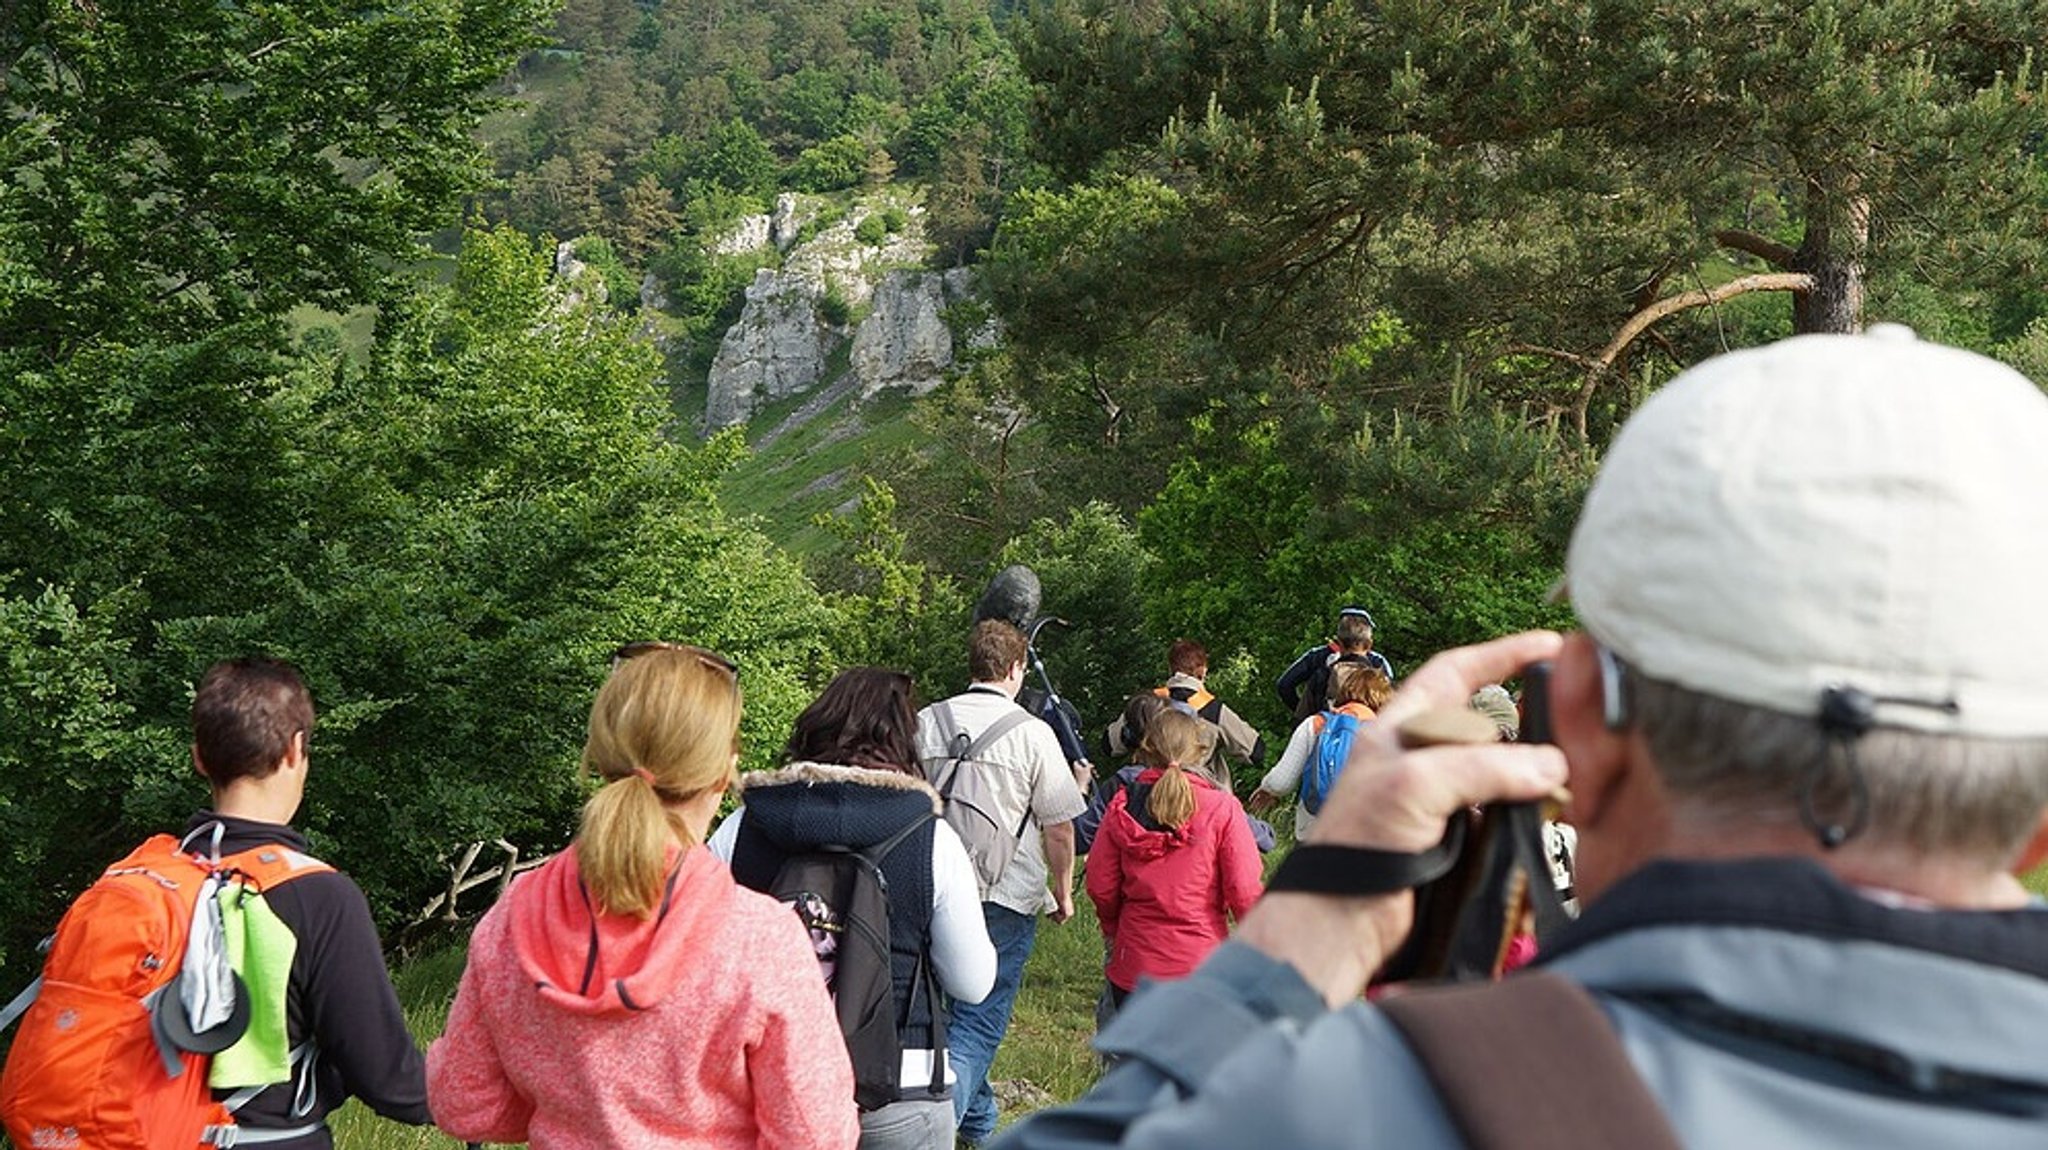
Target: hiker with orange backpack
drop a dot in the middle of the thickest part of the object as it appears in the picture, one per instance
(1316, 752)
(1188, 665)
(1805, 784)
(223, 987)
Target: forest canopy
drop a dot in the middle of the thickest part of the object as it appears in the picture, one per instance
(1301, 304)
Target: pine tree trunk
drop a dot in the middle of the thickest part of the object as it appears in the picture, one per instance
(1837, 235)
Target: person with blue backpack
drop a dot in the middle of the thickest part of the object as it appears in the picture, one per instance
(1315, 753)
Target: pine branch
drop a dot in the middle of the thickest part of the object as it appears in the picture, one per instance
(1768, 250)
(1602, 364)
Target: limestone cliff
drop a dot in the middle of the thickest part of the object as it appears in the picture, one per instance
(798, 315)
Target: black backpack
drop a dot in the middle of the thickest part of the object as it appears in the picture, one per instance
(842, 898)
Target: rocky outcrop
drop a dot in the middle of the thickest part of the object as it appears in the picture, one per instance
(836, 257)
(792, 215)
(748, 233)
(778, 348)
(786, 333)
(905, 341)
(578, 280)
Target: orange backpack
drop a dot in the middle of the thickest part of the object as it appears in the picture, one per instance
(96, 1065)
(1195, 701)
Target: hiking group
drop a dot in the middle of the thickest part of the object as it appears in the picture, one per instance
(1797, 756)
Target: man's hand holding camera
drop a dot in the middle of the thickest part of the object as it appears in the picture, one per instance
(1395, 799)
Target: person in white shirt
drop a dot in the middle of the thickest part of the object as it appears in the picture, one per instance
(1031, 786)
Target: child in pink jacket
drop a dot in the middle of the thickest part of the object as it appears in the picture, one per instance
(1173, 864)
(628, 995)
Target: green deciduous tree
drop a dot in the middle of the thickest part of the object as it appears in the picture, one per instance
(180, 164)
(498, 509)
(59, 694)
(449, 539)
(1093, 570)
(1450, 531)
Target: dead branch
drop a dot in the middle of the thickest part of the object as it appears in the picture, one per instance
(460, 879)
(1602, 364)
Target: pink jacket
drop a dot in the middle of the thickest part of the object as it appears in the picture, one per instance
(706, 1027)
(1161, 895)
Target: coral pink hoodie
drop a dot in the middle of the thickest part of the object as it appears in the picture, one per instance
(706, 1027)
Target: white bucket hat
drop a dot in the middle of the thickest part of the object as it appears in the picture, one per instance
(1832, 510)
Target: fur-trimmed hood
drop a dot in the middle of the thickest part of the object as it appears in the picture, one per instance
(805, 805)
(813, 774)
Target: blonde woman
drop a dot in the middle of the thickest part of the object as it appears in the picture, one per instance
(628, 994)
(1173, 859)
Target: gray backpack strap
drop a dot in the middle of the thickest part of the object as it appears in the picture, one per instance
(16, 1008)
(965, 751)
(301, 1062)
(996, 730)
(951, 737)
(1530, 1063)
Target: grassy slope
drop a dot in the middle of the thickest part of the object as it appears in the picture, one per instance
(810, 470)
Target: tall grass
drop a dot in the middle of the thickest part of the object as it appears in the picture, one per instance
(1055, 1018)
(426, 988)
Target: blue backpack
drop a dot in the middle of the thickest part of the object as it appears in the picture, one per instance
(1333, 747)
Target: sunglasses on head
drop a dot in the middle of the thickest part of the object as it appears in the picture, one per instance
(705, 655)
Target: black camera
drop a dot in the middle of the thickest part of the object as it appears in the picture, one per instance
(1501, 885)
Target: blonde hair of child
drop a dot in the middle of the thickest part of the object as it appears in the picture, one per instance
(1172, 740)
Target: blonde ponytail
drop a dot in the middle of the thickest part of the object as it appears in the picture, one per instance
(1173, 738)
(1172, 802)
(664, 729)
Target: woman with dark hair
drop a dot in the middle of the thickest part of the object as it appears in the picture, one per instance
(629, 995)
(853, 781)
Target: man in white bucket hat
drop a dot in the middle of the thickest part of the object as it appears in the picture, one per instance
(1805, 731)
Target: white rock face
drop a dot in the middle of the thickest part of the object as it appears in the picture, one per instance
(749, 233)
(579, 282)
(780, 344)
(791, 215)
(904, 341)
(652, 298)
(778, 348)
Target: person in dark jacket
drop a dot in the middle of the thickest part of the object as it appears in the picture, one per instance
(1304, 686)
(251, 719)
(853, 780)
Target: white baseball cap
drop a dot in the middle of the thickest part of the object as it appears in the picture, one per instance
(1867, 511)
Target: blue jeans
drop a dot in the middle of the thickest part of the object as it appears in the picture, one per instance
(978, 1028)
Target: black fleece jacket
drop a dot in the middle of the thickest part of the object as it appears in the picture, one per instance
(340, 996)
